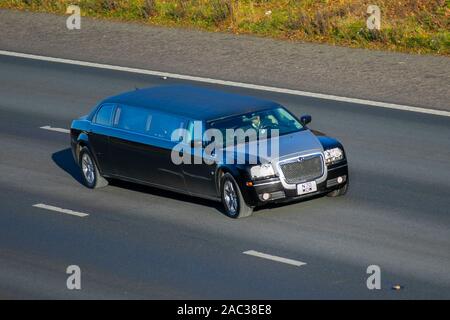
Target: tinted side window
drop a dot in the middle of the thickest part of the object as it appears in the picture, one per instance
(163, 125)
(133, 119)
(104, 115)
(152, 123)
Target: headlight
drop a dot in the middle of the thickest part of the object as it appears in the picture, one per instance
(333, 155)
(264, 170)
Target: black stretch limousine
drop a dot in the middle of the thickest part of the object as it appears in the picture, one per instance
(157, 136)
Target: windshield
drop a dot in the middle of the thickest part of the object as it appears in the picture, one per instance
(261, 121)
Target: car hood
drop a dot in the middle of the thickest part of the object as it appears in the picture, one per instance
(300, 142)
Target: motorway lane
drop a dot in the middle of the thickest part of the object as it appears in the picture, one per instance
(142, 242)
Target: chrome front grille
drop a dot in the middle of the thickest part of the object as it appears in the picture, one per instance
(301, 169)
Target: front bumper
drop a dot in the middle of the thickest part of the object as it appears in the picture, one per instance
(257, 194)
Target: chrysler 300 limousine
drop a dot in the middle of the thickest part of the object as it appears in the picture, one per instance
(178, 138)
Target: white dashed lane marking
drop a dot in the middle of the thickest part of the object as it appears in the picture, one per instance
(55, 129)
(274, 258)
(61, 210)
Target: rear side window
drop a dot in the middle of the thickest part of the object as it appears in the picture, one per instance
(133, 119)
(163, 125)
(104, 115)
(152, 123)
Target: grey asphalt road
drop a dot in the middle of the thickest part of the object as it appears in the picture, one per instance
(416, 80)
(139, 242)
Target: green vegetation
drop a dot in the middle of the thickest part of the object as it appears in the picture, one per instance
(419, 26)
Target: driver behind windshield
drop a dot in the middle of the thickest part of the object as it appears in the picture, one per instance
(277, 118)
(264, 121)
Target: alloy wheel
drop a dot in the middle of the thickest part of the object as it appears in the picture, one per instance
(230, 197)
(88, 168)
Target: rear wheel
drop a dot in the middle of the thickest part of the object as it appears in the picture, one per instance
(232, 199)
(89, 171)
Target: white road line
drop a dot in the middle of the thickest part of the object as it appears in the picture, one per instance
(57, 209)
(55, 129)
(274, 258)
(229, 83)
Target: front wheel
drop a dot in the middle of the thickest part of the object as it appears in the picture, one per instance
(232, 199)
(89, 171)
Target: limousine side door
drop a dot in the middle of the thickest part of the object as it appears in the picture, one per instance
(140, 152)
(130, 155)
(167, 173)
(101, 128)
(199, 176)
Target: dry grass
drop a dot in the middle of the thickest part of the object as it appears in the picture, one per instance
(419, 26)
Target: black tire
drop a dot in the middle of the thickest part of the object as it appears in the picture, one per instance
(339, 192)
(91, 179)
(242, 210)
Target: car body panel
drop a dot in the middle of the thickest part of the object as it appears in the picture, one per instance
(138, 157)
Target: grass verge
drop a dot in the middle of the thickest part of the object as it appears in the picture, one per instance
(415, 26)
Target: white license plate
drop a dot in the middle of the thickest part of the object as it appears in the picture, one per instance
(306, 187)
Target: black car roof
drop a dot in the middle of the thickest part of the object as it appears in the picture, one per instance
(196, 103)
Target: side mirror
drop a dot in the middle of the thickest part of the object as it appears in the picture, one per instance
(304, 120)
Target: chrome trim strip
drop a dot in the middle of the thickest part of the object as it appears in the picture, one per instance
(266, 183)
